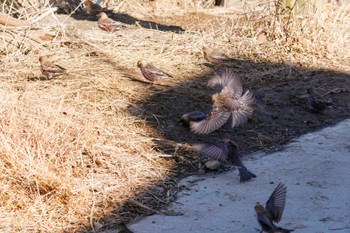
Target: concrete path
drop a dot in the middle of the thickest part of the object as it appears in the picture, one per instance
(315, 168)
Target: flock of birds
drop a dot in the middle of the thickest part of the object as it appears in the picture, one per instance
(229, 101)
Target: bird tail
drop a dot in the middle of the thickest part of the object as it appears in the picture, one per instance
(283, 230)
(245, 175)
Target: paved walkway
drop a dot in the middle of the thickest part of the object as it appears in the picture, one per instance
(315, 168)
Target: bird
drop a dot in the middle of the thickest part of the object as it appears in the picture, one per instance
(229, 101)
(150, 72)
(108, 24)
(273, 211)
(122, 228)
(193, 116)
(225, 151)
(215, 57)
(314, 101)
(92, 8)
(49, 69)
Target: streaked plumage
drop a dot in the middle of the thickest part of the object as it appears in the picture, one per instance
(215, 57)
(108, 24)
(150, 72)
(229, 101)
(225, 151)
(273, 211)
(49, 69)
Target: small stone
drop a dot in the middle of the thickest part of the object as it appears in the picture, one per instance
(213, 165)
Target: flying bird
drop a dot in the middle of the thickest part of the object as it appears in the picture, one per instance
(229, 101)
(273, 211)
(92, 8)
(150, 72)
(108, 24)
(215, 57)
(225, 151)
(49, 69)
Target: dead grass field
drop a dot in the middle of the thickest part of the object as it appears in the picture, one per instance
(99, 146)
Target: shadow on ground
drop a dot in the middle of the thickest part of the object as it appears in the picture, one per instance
(128, 19)
(287, 116)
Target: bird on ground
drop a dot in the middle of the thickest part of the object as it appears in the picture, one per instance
(225, 151)
(108, 24)
(150, 72)
(229, 101)
(314, 101)
(194, 116)
(122, 228)
(273, 211)
(92, 8)
(215, 57)
(49, 69)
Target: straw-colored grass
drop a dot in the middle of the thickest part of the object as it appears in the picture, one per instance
(72, 155)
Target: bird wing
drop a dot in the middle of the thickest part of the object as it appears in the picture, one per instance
(151, 69)
(217, 151)
(225, 77)
(264, 221)
(214, 121)
(277, 201)
(242, 108)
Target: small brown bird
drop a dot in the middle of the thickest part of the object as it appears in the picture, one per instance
(150, 72)
(225, 151)
(92, 8)
(314, 101)
(215, 57)
(229, 101)
(122, 228)
(108, 24)
(50, 69)
(273, 211)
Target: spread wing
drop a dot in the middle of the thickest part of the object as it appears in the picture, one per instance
(214, 121)
(217, 151)
(225, 77)
(277, 201)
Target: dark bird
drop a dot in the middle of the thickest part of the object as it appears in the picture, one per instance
(273, 211)
(314, 101)
(215, 57)
(92, 8)
(122, 228)
(150, 72)
(229, 101)
(194, 116)
(225, 151)
(108, 24)
(50, 69)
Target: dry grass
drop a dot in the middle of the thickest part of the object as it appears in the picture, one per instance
(71, 153)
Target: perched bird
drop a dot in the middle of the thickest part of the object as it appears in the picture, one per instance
(92, 8)
(215, 57)
(122, 228)
(50, 69)
(229, 101)
(225, 151)
(314, 101)
(150, 72)
(194, 116)
(273, 211)
(108, 24)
